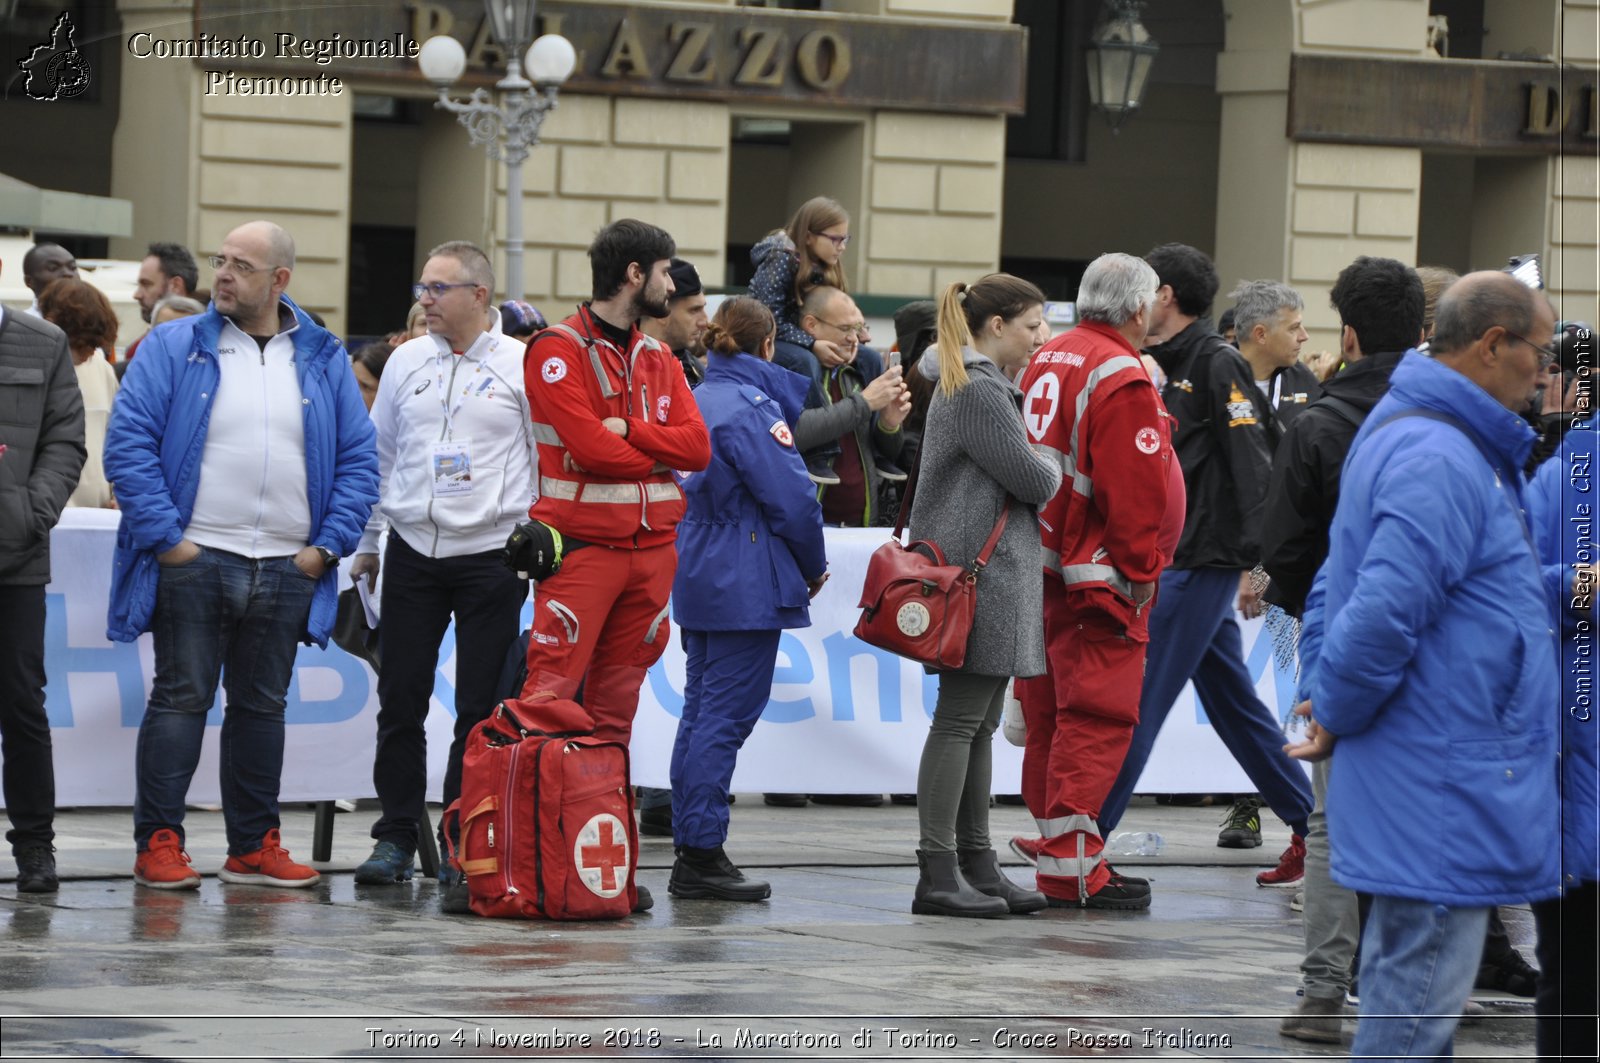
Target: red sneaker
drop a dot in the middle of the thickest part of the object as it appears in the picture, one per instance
(268, 866)
(164, 865)
(1027, 848)
(1291, 869)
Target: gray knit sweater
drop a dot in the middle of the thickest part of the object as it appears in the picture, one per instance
(975, 450)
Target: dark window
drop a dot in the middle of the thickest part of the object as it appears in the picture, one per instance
(1466, 26)
(380, 278)
(1058, 278)
(1054, 124)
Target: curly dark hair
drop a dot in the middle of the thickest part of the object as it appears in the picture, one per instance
(1382, 300)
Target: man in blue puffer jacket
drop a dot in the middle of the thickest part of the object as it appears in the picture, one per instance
(244, 464)
(1428, 657)
(1562, 509)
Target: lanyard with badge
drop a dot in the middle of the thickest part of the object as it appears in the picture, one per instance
(451, 458)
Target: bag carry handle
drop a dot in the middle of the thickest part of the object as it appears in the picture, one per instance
(989, 545)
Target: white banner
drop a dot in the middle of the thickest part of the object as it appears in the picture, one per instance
(843, 716)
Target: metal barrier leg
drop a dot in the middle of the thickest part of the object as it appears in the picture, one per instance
(322, 833)
(427, 848)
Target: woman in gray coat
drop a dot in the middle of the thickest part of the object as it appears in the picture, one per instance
(975, 455)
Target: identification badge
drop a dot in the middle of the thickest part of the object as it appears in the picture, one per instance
(452, 468)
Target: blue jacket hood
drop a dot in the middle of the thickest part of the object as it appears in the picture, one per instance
(1422, 382)
(785, 385)
(777, 243)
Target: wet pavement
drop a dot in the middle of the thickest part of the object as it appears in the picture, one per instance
(833, 966)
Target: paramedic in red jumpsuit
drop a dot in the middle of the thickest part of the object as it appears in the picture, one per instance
(612, 419)
(1091, 405)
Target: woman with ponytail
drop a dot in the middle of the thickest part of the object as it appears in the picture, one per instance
(750, 556)
(975, 463)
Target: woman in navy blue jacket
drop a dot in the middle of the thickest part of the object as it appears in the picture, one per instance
(750, 556)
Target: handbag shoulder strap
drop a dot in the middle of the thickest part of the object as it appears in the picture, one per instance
(905, 514)
(994, 537)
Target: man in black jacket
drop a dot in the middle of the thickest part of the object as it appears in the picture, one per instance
(1270, 331)
(1381, 308)
(1224, 450)
(41, 454)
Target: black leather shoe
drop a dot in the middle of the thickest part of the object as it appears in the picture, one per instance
(656, 822)
(643, 902)
(1508, 972)
(848, 800)
(708, 874)
(1118, 895)
(36, 869)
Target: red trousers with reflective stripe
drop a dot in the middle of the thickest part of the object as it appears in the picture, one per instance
(1080, 716)
(601, 621)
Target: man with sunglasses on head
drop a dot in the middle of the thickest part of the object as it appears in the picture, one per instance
(455, 457)
(245, 468)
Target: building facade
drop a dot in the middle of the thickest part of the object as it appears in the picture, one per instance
(1284, 136)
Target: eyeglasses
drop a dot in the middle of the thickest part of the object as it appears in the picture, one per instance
(838, 241)
(436, 289)
(1547, 355)
(234, 266)
(860, 332)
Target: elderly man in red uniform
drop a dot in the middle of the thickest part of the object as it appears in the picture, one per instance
(613, 418)
(1107, 535)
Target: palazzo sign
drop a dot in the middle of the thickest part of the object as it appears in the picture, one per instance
(1454, 104)
(735, 55)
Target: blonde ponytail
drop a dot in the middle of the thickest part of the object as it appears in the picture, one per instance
(953, 335)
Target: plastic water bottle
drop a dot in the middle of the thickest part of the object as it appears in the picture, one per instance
(1134, 843)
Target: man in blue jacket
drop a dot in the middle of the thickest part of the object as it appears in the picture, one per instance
(1561, 507)
(245, 468)
(1428, 657)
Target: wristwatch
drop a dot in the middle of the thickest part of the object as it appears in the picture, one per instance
(329, 558)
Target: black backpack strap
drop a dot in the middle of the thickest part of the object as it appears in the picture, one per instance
(1346, 409)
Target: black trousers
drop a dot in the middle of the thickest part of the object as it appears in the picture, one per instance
(29, 771)
(1567, 995)
(420, 594)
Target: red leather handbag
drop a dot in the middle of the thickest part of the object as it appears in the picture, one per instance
(917, 605)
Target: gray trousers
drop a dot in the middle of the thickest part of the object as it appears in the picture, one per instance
(957, 763)
(1332, 915)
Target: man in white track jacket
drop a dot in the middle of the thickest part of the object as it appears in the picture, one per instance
(456, 457)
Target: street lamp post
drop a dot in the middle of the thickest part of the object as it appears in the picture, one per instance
(509, 129)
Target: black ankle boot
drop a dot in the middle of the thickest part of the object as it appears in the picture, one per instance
(708, 873)
(942, 891)
(982, 869)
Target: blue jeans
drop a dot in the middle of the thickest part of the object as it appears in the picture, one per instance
(1418, 962)
(240, 619)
